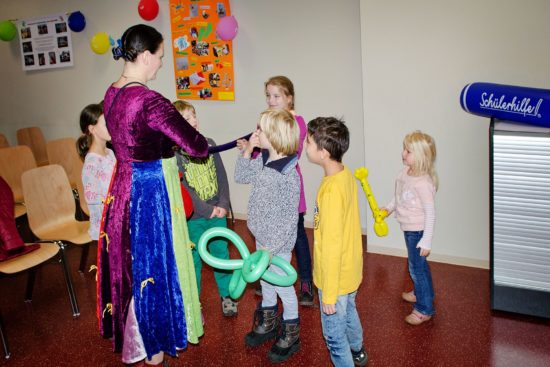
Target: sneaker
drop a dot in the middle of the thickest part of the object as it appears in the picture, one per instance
(360, 358)
(229, 307)
(258, 289)
(417, 318)
(409, 296)
(306, 294)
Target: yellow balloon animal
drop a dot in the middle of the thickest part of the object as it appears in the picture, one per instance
(380, 227)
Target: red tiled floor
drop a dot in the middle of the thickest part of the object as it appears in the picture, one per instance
(464, 332)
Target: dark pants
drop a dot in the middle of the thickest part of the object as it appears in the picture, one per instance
(301, 249)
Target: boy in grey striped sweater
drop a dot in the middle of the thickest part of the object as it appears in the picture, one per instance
(273, 220)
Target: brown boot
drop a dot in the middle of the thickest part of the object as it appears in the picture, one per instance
(288, 342)
(266, 322)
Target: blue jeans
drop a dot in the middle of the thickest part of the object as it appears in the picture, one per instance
(342, 330)
(301, 249)
(421, 276)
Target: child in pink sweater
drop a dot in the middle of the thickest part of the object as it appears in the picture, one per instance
(413, 203)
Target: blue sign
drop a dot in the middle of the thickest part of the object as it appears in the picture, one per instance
(505, 102)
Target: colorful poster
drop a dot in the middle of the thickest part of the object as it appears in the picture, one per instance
(203, 63)
(45, 42)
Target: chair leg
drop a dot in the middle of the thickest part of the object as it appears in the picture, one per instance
(4, 339)
(79, 214)
(84, 258)
(30, 285)
(68, 281)
(232, 215)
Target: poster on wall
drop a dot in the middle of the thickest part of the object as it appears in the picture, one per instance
(45, 42)
(203, 63)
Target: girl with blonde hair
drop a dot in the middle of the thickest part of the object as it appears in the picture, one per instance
(414, 206)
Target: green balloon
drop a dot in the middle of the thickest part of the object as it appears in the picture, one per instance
(7, 30)
(250, 268)
(217, 262)
(237, 284)
(254, 267)
(281, 280)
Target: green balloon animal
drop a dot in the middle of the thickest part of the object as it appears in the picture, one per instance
(248, 269)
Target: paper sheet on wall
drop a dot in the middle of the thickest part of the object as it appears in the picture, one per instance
(203, 63)
(45, 42)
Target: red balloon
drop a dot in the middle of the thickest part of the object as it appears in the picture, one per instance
(148, 9)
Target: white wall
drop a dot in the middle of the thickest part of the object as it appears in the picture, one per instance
(417, 57)
(411, 57)
(314, 42)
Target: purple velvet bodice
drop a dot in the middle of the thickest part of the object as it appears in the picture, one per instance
(144, 126)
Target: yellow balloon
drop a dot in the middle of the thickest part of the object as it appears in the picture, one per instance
(100, 43)
(380, 227)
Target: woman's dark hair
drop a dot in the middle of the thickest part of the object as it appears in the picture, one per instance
(137, 39)
(89, 116)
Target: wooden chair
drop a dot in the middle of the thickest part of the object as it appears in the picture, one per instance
(34, 139)
(18, 257)
(51, 209)
(63, 152)
(29, 262)
(4, 141)
(81, 198)
(4, 339)
(13, 162)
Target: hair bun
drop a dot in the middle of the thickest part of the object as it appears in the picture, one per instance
(118, 52)
(130, 55)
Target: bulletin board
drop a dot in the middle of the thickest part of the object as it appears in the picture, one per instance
(203, 63)
(45, 42)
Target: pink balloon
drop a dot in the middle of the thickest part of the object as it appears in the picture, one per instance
(227, 28)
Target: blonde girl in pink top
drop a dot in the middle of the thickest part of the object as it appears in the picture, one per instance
(414, 207)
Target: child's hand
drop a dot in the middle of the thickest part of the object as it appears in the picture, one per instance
(218, 212)
(247, 147)
(329, 309)
(424, 252)
(241, 144)
(254, 141)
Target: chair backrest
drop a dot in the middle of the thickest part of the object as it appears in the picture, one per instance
(34, 139)
(48, 197)
(81, 197)
(4, 141)
(63, 152)
(13, 162)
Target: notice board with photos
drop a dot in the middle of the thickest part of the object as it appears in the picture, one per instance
(45, 42)
(203, 63)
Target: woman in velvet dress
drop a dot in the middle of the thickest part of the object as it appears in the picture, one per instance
(140, 303)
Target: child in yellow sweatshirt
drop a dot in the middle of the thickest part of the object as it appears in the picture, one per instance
(337, 249)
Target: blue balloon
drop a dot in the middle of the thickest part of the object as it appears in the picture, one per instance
(77, 22)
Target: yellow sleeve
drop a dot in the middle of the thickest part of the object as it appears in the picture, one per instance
(331, 227)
